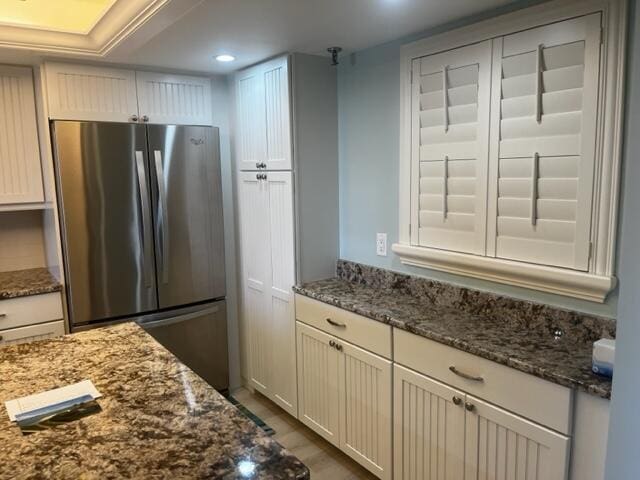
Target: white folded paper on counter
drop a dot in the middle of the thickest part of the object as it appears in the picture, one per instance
(52, 400)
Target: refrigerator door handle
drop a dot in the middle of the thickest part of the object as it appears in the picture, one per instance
(162, 194)
(146, 221)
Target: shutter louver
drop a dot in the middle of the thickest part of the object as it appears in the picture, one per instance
(548, 80)
(451, 117)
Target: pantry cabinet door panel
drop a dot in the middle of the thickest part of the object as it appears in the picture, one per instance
(20, 168)
(82, 92)
(501, 445)
(428, 428)
(449, 151)
(256, 278)
(544, 113)
(365, 409)
(318, 386)
(281, 238)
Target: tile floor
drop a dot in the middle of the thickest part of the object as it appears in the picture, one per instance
(323, 460)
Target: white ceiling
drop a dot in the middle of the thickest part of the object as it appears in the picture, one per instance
(253, 30)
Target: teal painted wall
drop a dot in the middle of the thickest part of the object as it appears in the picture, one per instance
(369, 135)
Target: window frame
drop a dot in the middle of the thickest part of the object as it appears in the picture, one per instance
(599, 279)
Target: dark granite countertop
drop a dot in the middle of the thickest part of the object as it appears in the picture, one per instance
(529, 348)
(33, 281)
(158, 418)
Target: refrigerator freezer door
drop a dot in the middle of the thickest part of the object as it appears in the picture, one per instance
(103, 190)
(187, 205)
(197, 336)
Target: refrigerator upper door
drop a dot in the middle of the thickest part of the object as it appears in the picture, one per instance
(103, 190)
(187, 205)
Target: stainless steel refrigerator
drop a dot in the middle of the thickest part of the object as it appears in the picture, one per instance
(142, 228)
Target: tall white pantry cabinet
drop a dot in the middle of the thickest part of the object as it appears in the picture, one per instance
(286, 154)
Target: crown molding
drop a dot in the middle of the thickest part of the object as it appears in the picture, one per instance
(124, 18)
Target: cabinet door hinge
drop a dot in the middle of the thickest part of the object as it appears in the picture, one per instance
(601, 35)
(590, 250)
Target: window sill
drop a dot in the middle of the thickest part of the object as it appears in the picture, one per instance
(583, 285)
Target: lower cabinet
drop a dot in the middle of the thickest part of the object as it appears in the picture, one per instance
(441, 433)
(344, 394)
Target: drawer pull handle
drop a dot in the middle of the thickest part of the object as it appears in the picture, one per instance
(335, 324)
(465, 375)
(456, 400)
(2, 315)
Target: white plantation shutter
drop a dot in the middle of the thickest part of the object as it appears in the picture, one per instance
(450, 128)
(543, 126)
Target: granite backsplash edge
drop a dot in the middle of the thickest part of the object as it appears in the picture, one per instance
(521, 313)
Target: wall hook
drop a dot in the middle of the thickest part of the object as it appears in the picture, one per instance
(334, 51)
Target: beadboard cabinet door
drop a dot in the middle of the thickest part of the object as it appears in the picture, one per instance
(84, 92)
(499, 444)
(429, 428)
(275, 77)
(279, 189)
(264, 116)
(268, 273)
(174, 99)
(318, 384)
(251, 140)
(256, 278)
(365, 408)
(20, 168)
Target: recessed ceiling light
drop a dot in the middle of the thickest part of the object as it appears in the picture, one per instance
(225, 58)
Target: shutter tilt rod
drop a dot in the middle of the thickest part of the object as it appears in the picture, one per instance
(445, 99)
(539, 84)
(534, 188)
(445, 188)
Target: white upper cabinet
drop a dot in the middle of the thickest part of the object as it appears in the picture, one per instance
(20, 168)
(545, 123)
(275, 77)
(174, 99)
(510, 148)
(264, 116)
(84, 92)
(450, 150)
(250, 136)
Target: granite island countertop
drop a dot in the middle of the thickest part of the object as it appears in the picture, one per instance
(526, 344)
(33, 281)
(158, 418)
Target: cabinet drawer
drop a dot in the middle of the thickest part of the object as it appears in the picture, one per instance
(543, 402)
(32, 333)
(21, 311)
(364, 332)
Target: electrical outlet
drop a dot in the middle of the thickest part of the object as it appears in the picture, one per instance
(381, 244)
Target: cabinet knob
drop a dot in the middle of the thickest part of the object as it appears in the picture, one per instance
(339, 347)
(134, 118)
(456, 400)
(332, 343)
(469, 406)
(145, 118)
